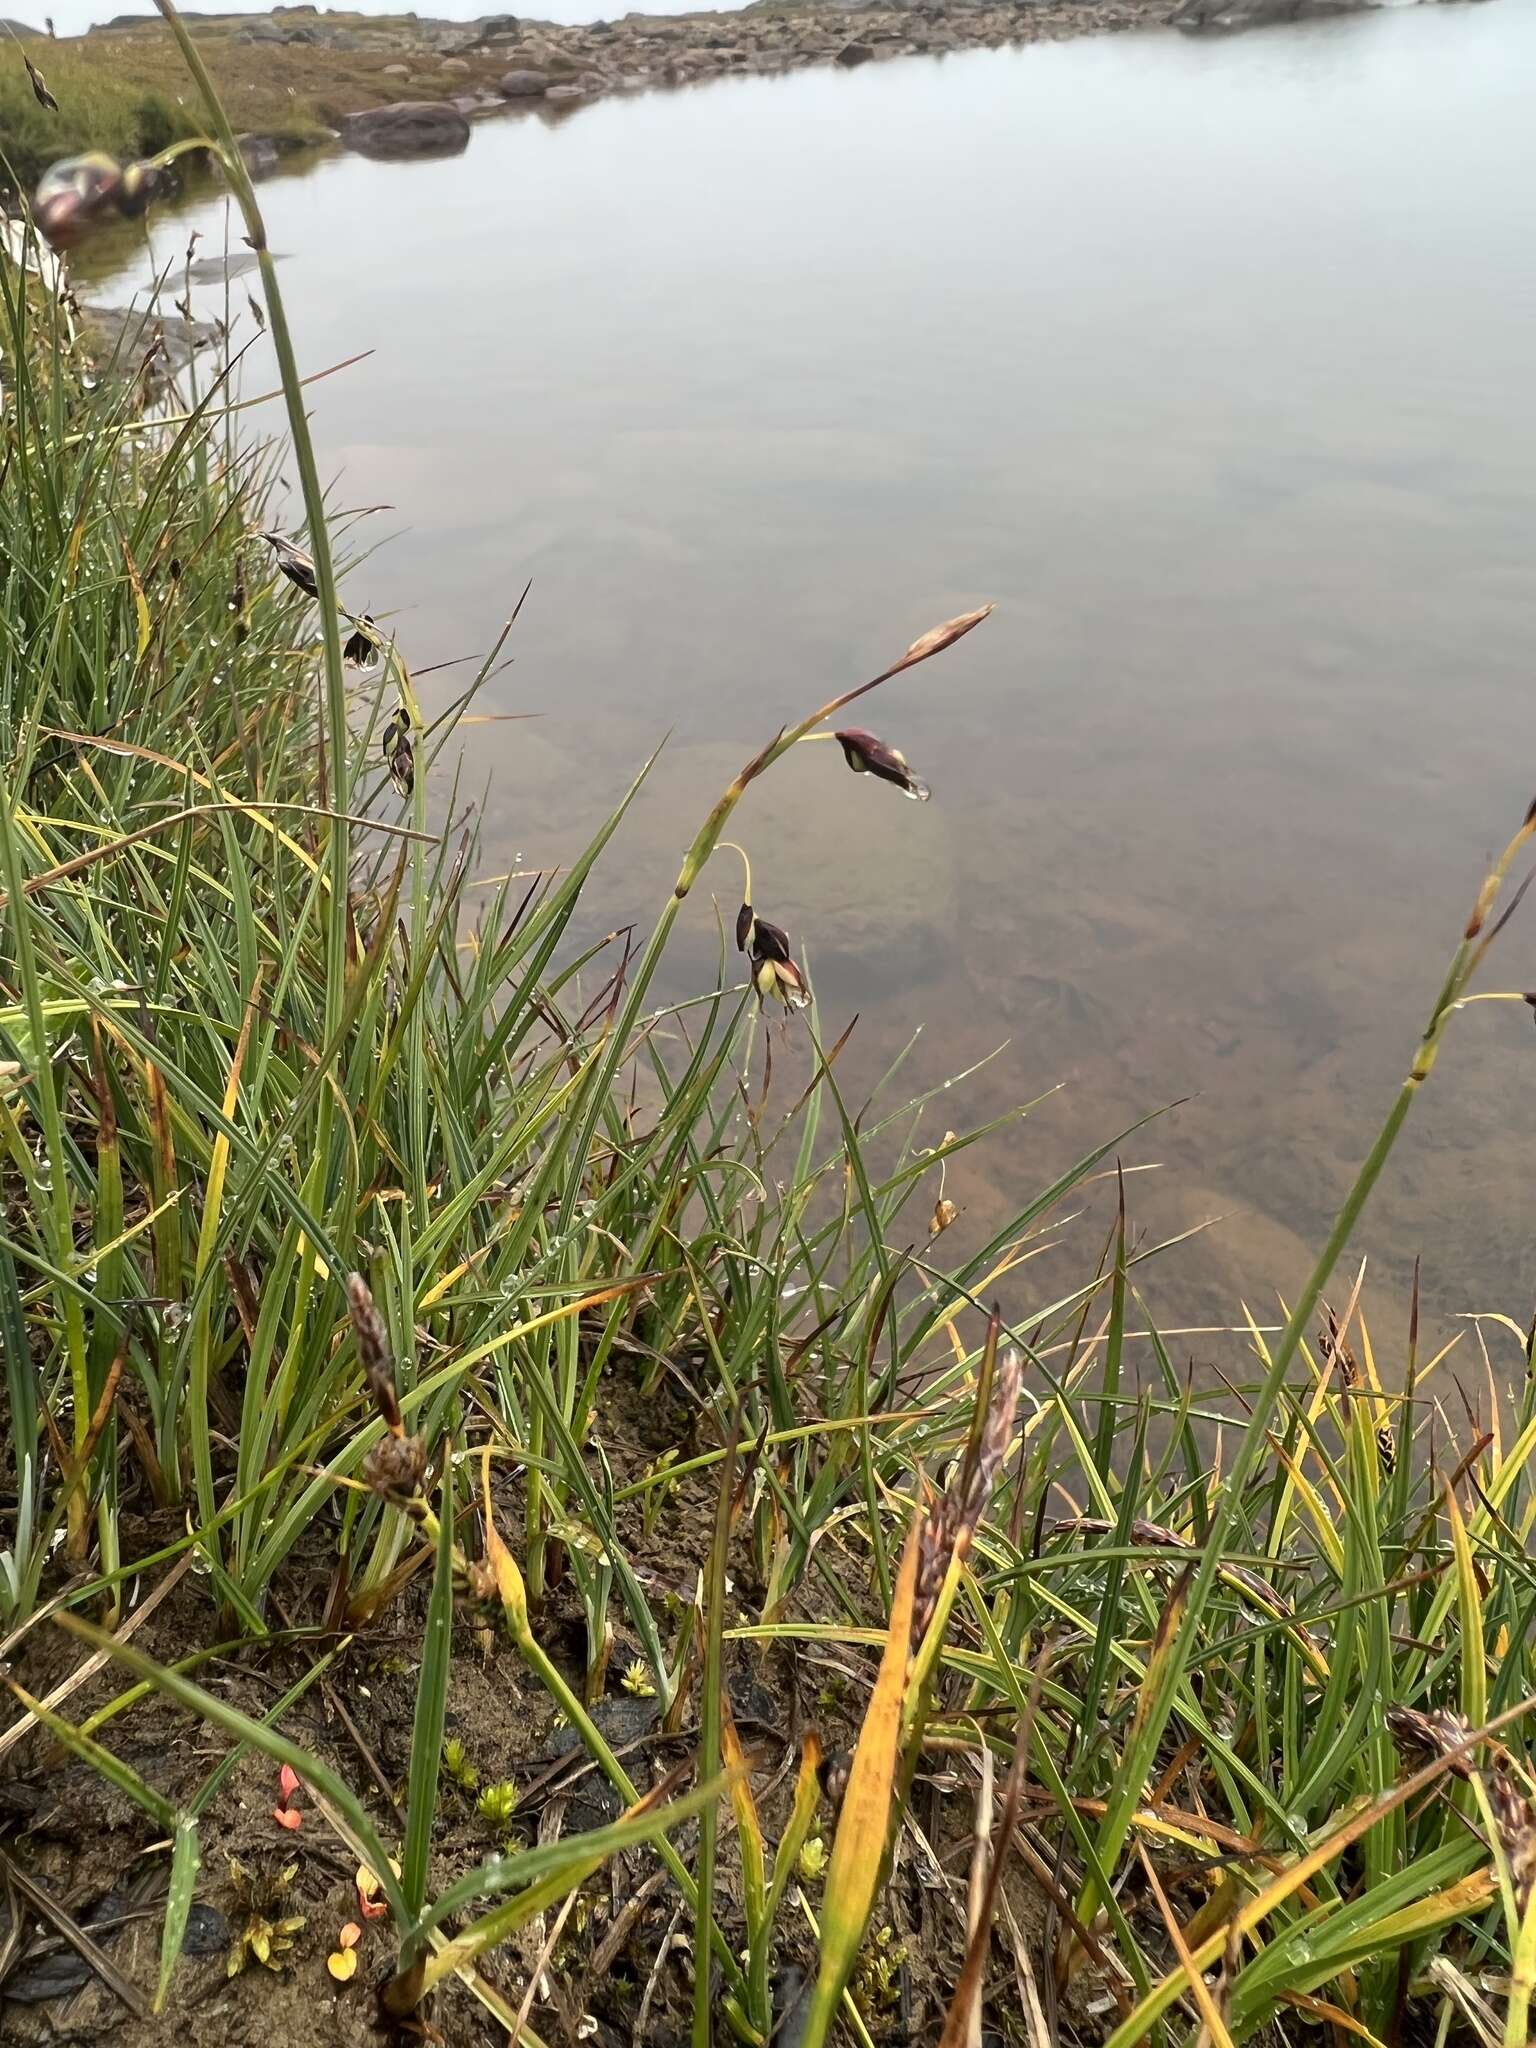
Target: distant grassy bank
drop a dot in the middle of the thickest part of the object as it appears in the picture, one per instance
(102, 105)
(128, 93)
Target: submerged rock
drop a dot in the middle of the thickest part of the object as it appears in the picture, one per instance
(121, 335)
(408, 128)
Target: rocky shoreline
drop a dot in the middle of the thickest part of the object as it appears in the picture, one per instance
(552, 68)
(505, 63)
(411, 85)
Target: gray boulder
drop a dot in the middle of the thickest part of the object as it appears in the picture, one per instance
(408, 128)
(523, 85)
(853, 53)
(1229, 15)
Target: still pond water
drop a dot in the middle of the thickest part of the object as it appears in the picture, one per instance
(1211, 363)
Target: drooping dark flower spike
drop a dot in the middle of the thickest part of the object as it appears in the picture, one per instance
(774, 972)
(297, 566)
(362, 645)
(868, 755)
(399, 755)
(40, 90)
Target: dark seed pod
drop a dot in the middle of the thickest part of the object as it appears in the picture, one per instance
(769, 941)
(1336, 1352)
(40, 90)
(832, 1774)
(866, 754)
(297, 566)
(399, 755)
(774, 972)
(361, 648)
(744, 923)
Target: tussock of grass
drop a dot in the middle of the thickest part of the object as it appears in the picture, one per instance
(330, 1191)
(102, 105)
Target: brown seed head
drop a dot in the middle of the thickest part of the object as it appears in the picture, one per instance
(949, 1530)
(373, 1352)
(395, 1465)
(1336, 1352)
(1516, 1821)
(1420, 1735)
(833, 1774)
(939, 637)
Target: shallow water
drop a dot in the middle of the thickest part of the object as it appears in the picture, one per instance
(1210, 362)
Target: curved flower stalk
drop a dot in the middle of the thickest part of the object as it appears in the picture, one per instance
(232, 164)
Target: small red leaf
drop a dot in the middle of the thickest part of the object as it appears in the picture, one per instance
(287, 1783)
(288, 1817)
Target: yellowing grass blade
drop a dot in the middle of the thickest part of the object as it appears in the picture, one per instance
(858, 1853)
(754, 1881)
(1168, 1625)
(1474, 1669)
(510, 1590)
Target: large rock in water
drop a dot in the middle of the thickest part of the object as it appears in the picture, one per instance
(523, 85)
(408, 128)
(1236, 14)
